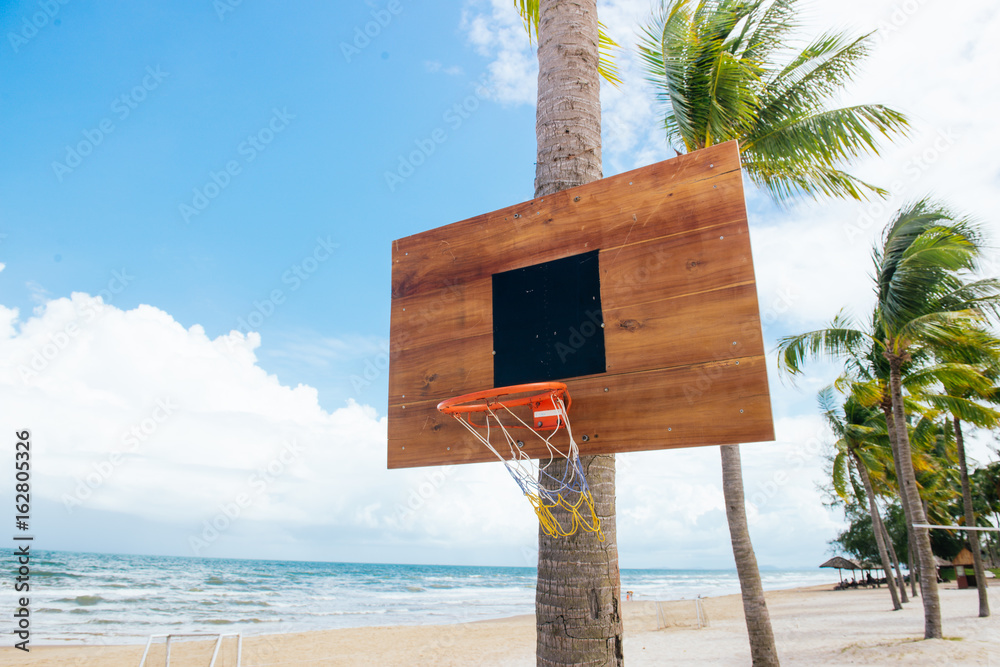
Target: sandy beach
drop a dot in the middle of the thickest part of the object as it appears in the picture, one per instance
(813, 626)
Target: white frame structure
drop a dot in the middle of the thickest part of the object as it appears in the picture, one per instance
(215, 654)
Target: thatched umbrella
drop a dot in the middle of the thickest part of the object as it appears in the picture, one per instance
(841, 564)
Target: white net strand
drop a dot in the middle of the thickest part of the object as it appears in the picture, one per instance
(570, 491)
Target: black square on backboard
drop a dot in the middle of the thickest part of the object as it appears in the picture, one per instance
(547, 321)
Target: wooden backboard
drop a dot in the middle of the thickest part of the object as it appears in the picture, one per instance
(667, 247)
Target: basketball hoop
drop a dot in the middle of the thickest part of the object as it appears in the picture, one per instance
(542, 408)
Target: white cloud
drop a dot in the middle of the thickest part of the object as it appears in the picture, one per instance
(495, 30)
(132, 414)
(434, 66)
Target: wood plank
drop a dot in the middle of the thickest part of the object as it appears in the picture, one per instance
(682, 331)
(686, 406)
(461, 309)
(699, 261)
(724, 402)
(691, 329)
(435, 372)
(674, 196)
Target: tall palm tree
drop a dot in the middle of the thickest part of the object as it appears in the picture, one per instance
(962, 400)
(924, 301)
(578, 594)
(724, 71)
(854, 424)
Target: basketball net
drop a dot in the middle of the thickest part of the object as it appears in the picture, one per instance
(545, 489)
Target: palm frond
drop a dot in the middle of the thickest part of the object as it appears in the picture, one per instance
(784, 179)
(839, 339)
(965, 409)
(824, 137)
(841, 473)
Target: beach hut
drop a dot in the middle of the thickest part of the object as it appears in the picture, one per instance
(964, 577)
(841, 564)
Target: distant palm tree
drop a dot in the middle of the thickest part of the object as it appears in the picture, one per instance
(924, 302)
(856, 425)
(963, 400)
(724, 71)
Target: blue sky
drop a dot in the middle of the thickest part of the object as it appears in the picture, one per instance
(219, 85)
(227, 179)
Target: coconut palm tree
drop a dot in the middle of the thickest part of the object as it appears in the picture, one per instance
(577, 601)
(924, 302)
(963, 399)
(855, 425)
(724, 71)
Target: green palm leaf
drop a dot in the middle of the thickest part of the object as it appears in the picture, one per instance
(723, 70)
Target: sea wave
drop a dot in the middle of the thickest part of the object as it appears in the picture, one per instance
(131, 597)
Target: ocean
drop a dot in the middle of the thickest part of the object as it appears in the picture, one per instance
(86, 598)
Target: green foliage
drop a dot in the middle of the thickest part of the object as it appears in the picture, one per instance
(985, 483)
(921, 273)
(858, 541)
(725, 69)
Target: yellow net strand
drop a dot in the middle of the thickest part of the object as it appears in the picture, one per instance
(551, 525)
(582, 513)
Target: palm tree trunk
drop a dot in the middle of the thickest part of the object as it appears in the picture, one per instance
(763, 651)
(970, 520)
(568, 117)
(578, 596)
(890, 423)
(919, 537)
(895, 562)
(877, 528)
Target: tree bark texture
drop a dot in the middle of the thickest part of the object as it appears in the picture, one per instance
(919, 537)
(578, 596)
(568, 117)
(877, 529)
(895, 562)
(763, 651)
(970, 520)
(890, 422)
